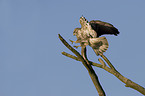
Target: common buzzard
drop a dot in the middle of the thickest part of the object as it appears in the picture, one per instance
(89, 34)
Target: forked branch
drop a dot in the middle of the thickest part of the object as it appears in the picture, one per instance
(91, 72)
(111, 69)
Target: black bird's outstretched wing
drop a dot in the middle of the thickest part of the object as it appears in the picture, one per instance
(103, 28)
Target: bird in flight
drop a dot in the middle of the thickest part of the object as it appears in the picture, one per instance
(90, 32)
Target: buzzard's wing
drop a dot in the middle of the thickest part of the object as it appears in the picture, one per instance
(103, 28)
(99, 45)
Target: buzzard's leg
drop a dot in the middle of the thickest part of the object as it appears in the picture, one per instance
(83, 43)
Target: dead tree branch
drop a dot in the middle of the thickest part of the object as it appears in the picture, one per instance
(125, 80)
(87, 65)
(111, 69)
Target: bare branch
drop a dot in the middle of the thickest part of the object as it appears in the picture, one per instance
(111, 69)
(88, 67)
(76, 58)
(70, 56)
(125, 80)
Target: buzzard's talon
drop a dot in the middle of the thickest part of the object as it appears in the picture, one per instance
(77, 46)
(71, 41)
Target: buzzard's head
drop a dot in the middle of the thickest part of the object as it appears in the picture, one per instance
(76, 31)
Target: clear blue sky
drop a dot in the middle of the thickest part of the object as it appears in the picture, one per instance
(31, 63)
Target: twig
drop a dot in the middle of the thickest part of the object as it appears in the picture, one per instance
(70, 56)
(76, 58)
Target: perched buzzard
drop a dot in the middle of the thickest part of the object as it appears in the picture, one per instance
(89, 34)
